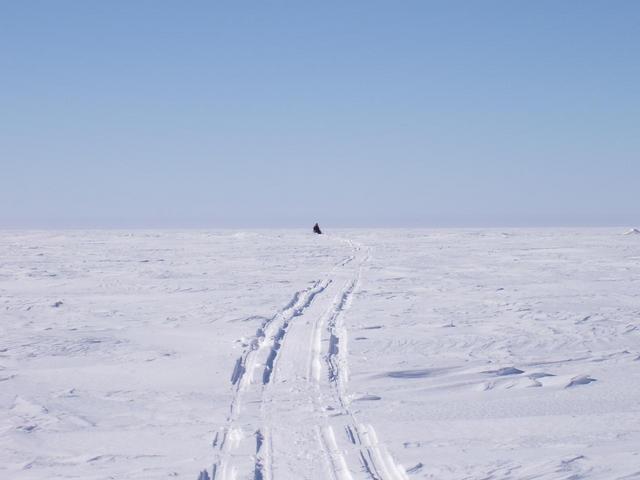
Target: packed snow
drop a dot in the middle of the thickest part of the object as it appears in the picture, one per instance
(276, 355)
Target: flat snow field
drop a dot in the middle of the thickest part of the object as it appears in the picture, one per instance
(276, 355)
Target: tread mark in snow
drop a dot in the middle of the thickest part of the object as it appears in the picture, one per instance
(238, 371)
(259, 468)
(375, 460)
(250, 405)
(242, 379)
(366, 467)
(278, 339)
(204, 475)
(350, 434)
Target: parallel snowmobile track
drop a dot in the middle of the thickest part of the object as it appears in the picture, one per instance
(267, 375)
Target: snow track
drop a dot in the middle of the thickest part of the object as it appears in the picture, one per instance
(375, 461)
(290, 394)
(253, 370)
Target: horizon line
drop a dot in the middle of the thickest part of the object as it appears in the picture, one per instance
(337, 227)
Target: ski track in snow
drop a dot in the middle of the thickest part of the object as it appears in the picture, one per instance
(245, 448)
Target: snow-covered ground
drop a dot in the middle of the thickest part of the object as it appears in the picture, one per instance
(275, 355)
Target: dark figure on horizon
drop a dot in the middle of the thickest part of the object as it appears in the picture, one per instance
(316, 229)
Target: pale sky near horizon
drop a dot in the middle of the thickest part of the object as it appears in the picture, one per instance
(351, 113)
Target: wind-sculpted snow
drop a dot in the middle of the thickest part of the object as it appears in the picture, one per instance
(501, 355)
(276, 355)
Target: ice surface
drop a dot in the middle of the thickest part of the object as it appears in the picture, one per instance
(384, 354)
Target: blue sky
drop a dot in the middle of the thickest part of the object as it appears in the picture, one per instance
(360, 113)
